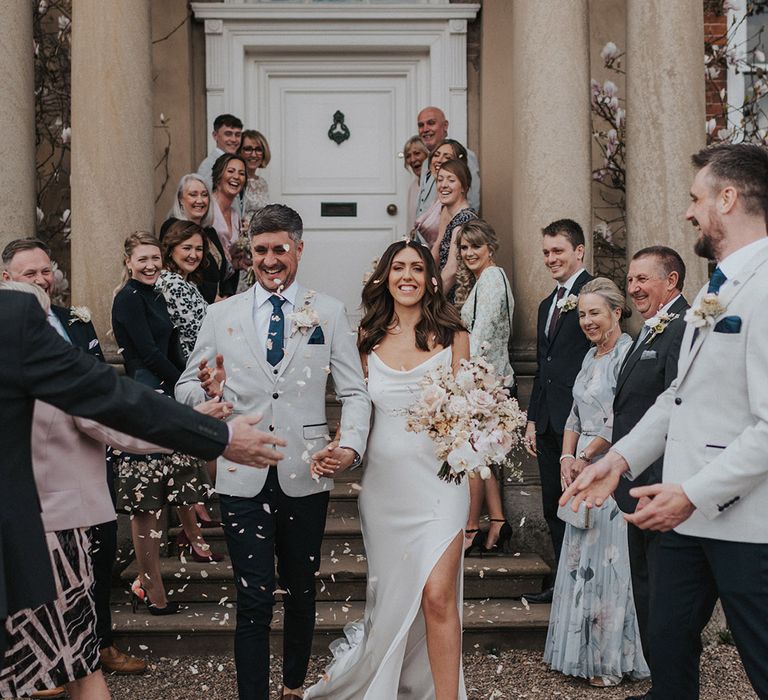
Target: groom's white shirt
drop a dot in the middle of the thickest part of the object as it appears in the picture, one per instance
(711, 425)
(290, 396)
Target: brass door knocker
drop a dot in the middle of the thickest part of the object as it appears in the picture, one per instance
(338, 131)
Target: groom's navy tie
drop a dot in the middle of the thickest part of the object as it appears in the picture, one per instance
(276, 335)
(716, 281)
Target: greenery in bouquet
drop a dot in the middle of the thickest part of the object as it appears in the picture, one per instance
(470, 418)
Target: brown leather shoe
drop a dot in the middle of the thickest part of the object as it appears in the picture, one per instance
(59, 692)
(115, 661)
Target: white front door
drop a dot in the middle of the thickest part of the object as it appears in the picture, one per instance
(350, 192)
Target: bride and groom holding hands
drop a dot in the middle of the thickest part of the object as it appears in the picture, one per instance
(269, 351)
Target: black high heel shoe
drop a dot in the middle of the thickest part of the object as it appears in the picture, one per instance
(139, 595)
(505, 534)
(476, 543)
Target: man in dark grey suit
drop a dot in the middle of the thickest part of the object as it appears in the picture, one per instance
(39, 364)
(655, 284)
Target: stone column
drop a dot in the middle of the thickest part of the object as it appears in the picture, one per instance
(548, 172)
(536, 167)
(17, 122)
(665, 126)
(112, 168)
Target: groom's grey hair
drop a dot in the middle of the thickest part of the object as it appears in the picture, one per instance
(277, 217)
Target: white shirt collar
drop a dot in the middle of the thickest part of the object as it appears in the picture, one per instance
(667, 306)
(570, 281)
(262, 295)
(735, 262)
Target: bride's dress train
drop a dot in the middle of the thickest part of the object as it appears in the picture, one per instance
(409, 518)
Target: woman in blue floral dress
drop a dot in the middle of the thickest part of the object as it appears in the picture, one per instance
(593, 631)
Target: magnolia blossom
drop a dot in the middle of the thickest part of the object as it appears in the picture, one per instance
(711, 125)
(40, 215)
(604, 231)
(66, 134)
(759, 56)
(610, 52)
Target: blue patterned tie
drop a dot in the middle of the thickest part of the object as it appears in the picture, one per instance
(276, 335)
(716, 281)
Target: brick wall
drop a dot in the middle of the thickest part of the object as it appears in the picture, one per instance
(715, 27)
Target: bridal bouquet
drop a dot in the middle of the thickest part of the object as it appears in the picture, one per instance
(470, 418)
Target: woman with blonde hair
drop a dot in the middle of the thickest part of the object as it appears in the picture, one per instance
(153, 356)
(593, 630)
(484, 296)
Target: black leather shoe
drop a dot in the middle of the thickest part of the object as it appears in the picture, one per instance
(644, 696)
(544, 597)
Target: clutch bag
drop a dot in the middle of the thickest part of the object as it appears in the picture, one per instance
(582, 518)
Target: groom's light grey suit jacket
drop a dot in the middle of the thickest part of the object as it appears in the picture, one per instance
(291, 396)
(711, 425)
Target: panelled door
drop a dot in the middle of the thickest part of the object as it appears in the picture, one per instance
(336, 130)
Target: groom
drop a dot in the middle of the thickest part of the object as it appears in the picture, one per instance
(711, 426)
(278, 342)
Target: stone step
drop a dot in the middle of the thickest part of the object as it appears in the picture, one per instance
(208, 628)
(343, 578)
(342, 536)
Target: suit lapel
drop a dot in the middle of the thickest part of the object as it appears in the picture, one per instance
(581, 280)
(64, 316)
(248, 324)
(630, 361)
(729, 293)
(296, 336)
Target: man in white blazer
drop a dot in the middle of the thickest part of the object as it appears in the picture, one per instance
(711, 425)
(279, 343)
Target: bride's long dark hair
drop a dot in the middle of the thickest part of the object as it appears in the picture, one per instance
(439, 319)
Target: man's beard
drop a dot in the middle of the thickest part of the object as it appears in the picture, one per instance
(707, 244)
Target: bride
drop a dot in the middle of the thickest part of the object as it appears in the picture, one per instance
(408, 644)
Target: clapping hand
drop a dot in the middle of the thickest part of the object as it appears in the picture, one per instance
(251, 446)
(331, 459)
(212, 380)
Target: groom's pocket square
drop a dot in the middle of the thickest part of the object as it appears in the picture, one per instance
(729, 324)
(317, 337)
(648, 355)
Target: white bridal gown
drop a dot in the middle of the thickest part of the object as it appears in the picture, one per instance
(409, 517)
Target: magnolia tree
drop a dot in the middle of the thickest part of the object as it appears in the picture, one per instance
(735, 122)
(609, 208)
(52, 32)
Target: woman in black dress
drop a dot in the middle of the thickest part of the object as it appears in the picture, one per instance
(150, 347)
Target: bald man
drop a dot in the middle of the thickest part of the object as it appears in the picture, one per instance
(433, 128)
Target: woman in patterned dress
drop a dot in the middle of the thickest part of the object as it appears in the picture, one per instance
(593, 631)
(185, 250)
(150, 347)
(484, 295)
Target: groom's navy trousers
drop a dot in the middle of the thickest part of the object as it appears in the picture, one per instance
(257, 529)
(698, 570)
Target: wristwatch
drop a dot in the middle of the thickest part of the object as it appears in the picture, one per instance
(357, 461)
(583, 455)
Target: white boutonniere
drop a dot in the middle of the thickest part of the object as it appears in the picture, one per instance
(706, 312)
(658, 324)
(79, 313)
(305, 317)
(568, 303)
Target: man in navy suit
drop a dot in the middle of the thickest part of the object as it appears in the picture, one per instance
(655, 284)
(560, 349)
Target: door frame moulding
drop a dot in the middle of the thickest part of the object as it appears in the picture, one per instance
(236, 32)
